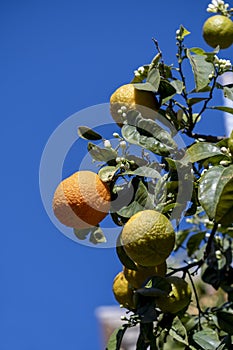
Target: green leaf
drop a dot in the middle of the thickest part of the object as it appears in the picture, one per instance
(123, 257)
(197, 51)
(88, 134)
(153, 78)
(194, 100)
(107, 173)
(194, 242)
(207, 339)
(101, 154)
(144, 171)
(225, 321)
(201, 69)
(166, 90)
(141, 201)
(199, 151)
(145, 87)
(224, 109)
(216, 193)
(181, 236)
(115, 340)
(178, 331)
(228, 92)
(147, 134)
(152, 81)
(178, 85)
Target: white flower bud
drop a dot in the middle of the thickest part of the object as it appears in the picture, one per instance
(118, 160)
(124, 108)
(141, 69)
(122, 144)
(116, 135)
(120, 111)
(136, 73)
(223, 149)
(124, 115)
(107, 144)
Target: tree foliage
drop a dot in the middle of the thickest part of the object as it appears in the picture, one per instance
(194, 182)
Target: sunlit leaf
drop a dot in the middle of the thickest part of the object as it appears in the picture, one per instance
(199, 151)
(107, 173)
(228, 92)
(207, 339)
(201, 69)
(178, 331)
(115, 340)
(101, 154)
(216, 193)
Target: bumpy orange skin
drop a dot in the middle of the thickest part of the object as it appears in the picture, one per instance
(148, 238)
(137, 278)
(122, 291)
(81, 200)
(126, 95)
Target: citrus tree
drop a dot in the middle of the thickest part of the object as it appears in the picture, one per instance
(168, 197)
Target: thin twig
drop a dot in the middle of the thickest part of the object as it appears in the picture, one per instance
(196, 298)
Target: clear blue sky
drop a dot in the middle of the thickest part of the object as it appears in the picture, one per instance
(56, 58)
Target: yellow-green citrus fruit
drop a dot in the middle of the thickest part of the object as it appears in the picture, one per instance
(81, 200)
(148, 238)
(137, 278)
(178, 298)
(218, 30)
(122, 291)
(131, 98)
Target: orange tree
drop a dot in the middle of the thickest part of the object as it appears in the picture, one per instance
(156, 184)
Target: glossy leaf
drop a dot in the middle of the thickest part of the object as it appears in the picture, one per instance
(228, 92)
(115, 340)
(107, 173)
(101, 154)
(88, 134)
(194, 100)
(207, 339)
(199, 151)
(201, 69)
(140, 202)
(216, 193)
(225, 321)
(178, 331)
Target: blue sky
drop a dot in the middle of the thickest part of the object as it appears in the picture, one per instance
(56, 58)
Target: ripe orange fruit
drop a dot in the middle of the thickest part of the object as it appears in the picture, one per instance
(81, 200)
(148, 238)
(218, 30)
(122, 291)
(137, 278)
(178, 298)
(131, 98)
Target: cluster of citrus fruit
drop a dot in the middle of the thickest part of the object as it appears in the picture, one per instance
(148, 239)
(83, 200)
